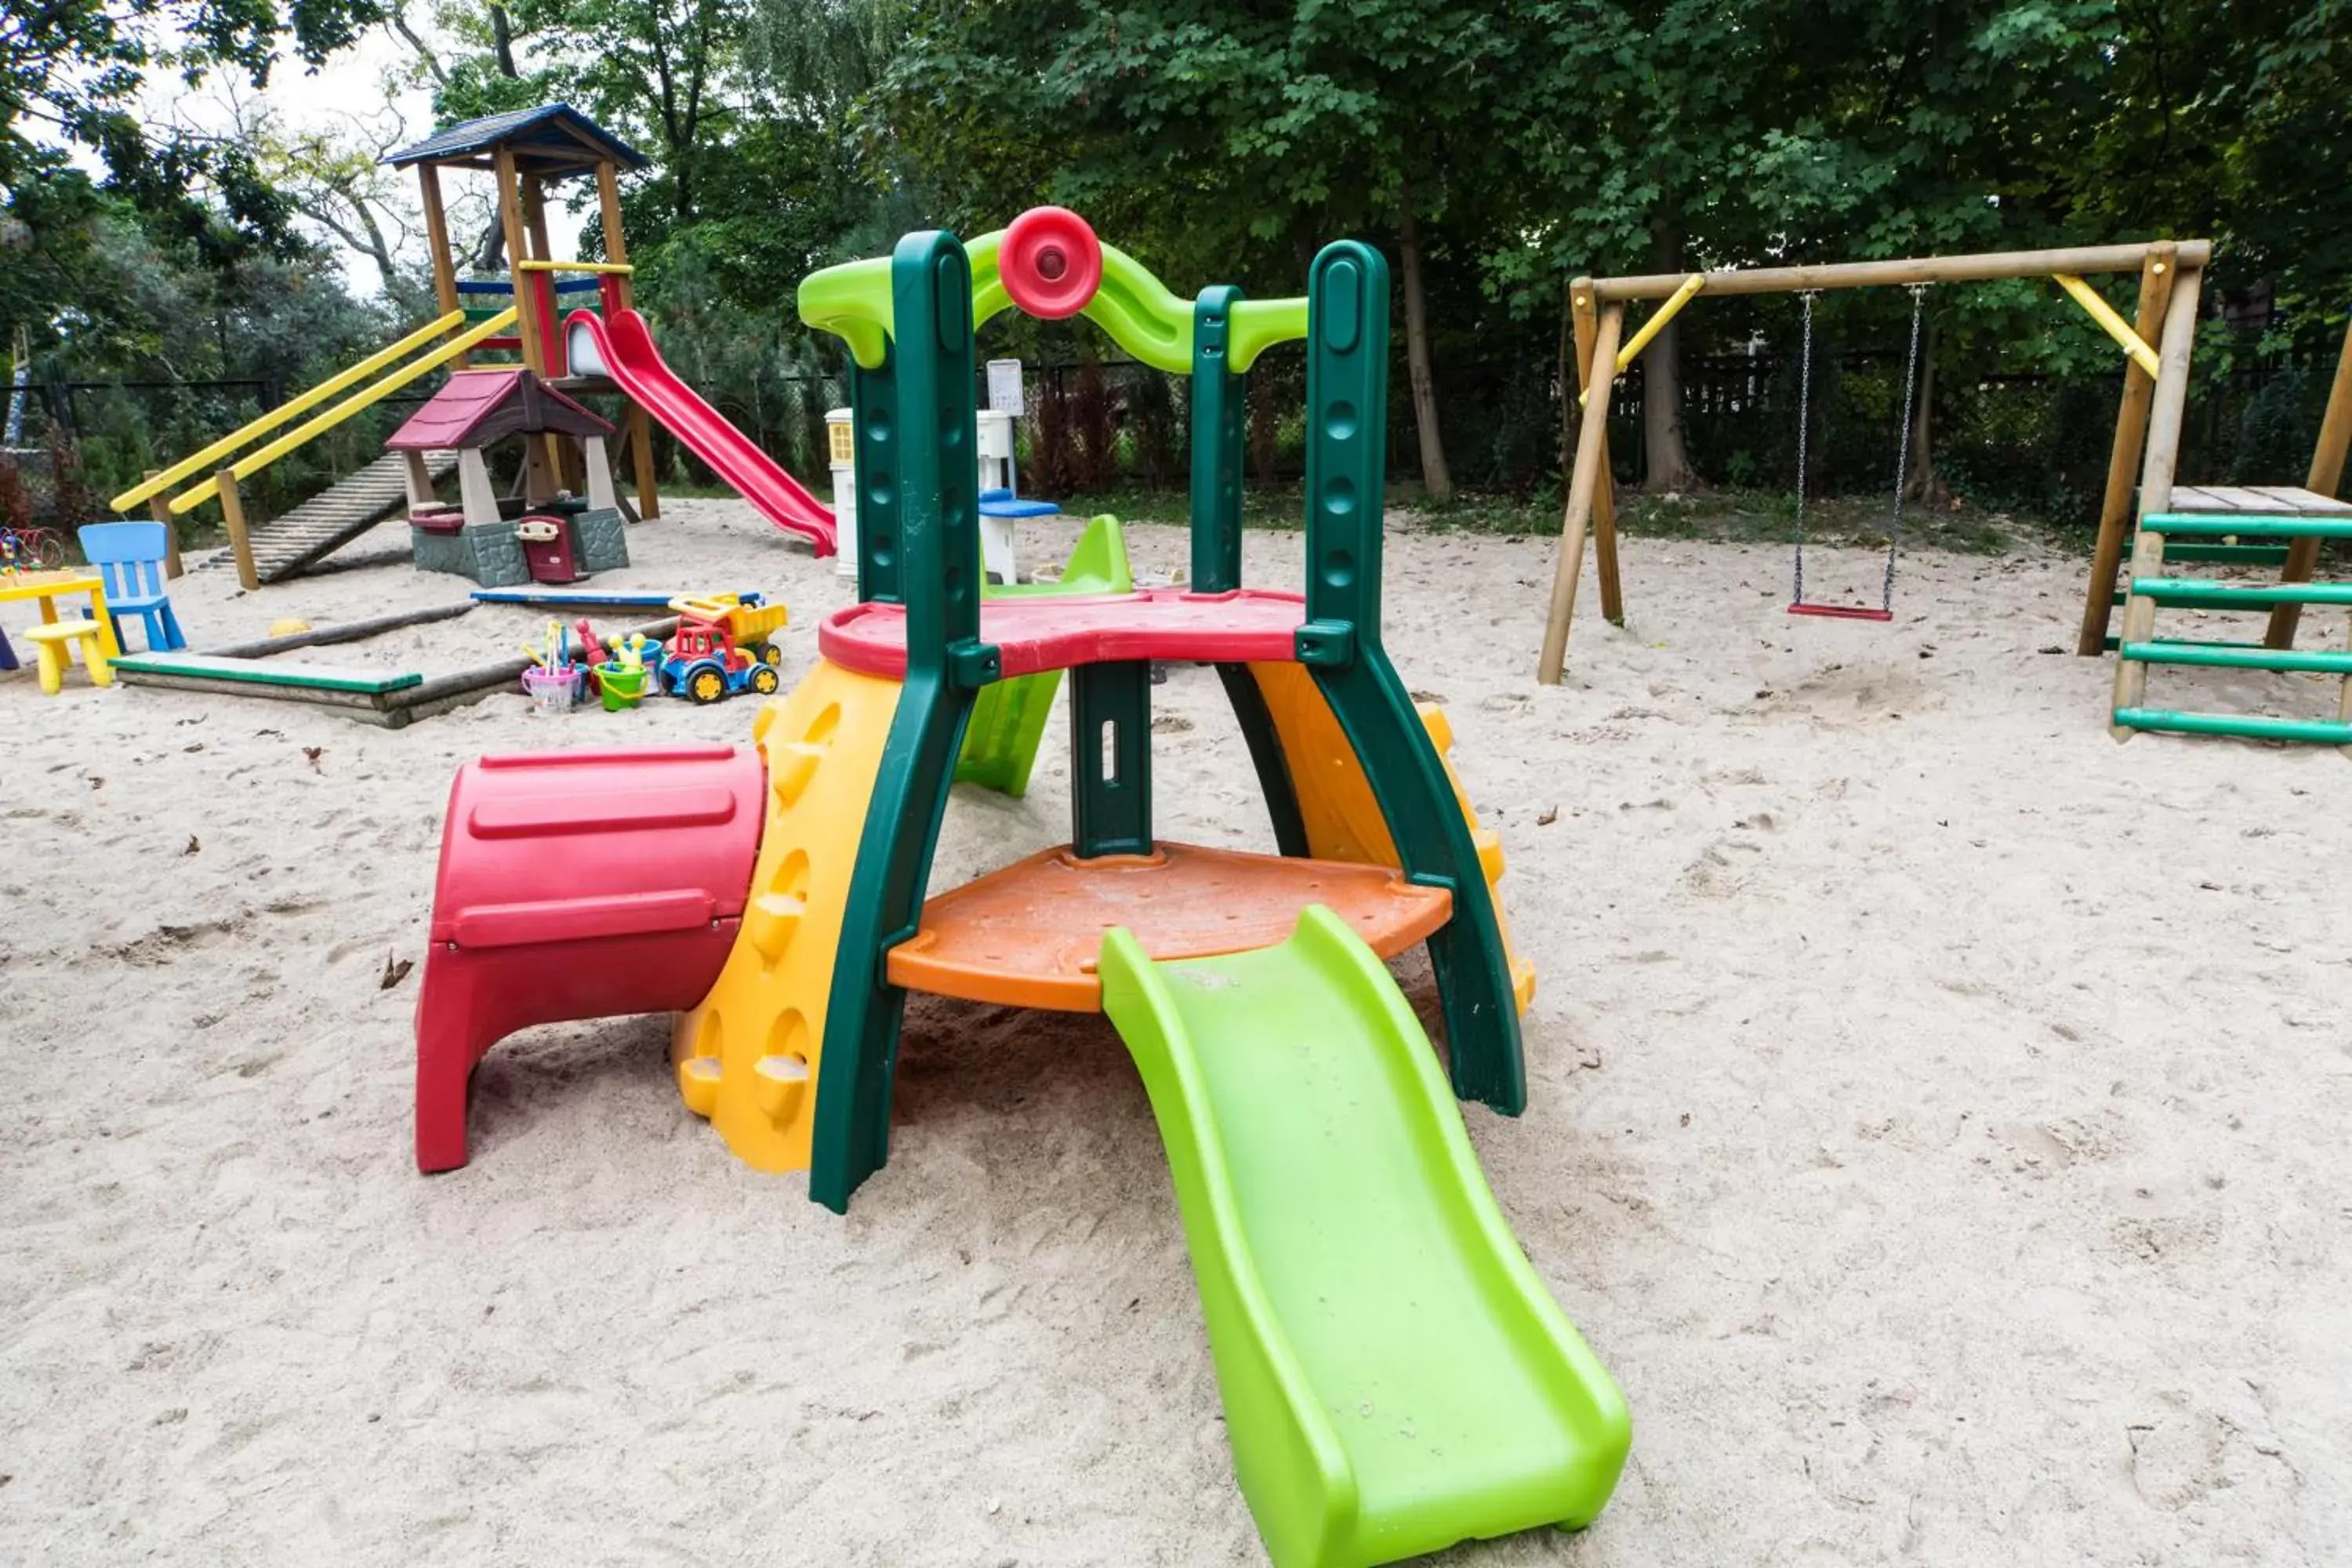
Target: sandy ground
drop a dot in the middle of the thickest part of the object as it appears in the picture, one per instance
(1936, 1123)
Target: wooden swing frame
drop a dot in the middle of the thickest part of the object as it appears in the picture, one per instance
(2157, 345)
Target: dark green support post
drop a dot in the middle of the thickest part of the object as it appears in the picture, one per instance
(1218, 400)
(1347, 431)
(1219, 405)
(1110, 759)
(934, 548)
(874, 414)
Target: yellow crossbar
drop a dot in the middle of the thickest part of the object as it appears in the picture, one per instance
(618, 269)
(1652, 328)
(247, 466)
(211, 456)
(2113, 325)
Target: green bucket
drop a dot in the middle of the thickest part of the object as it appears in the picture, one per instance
(622, 686)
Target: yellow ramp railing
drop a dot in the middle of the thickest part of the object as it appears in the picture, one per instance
(198, 462)
(262, 458)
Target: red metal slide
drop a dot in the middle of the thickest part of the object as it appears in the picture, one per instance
(622, 348)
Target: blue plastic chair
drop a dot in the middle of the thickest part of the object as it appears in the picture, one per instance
(130, 556)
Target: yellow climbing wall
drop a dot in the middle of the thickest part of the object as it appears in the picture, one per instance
(1343, 819)
(748, 1055)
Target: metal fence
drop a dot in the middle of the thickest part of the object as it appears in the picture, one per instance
(2030, 443)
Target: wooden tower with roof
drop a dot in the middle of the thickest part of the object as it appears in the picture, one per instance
(527, 151)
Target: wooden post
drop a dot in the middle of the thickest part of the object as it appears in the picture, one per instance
(636, 428)
(518, 251)
(2169, 403)
(1591, 454)
(2123, 461)
(232, 505)
(436, 245)
(161, 511)
(608, 211)
(1604, 491)
(2326, 475)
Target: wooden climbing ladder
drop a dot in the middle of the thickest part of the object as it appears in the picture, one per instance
(2285, 526)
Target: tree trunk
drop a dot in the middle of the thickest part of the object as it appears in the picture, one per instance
(1922, 483)
(1667, 467)
(1437, 480)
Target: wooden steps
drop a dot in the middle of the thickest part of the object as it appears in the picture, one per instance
(335, 516)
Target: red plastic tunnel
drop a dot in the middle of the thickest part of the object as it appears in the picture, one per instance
(576, 885)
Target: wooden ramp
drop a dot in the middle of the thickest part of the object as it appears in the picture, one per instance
(335, 516)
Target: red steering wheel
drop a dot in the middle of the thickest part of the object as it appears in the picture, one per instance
(1051, 262)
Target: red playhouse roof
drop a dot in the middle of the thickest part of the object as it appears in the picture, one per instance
(482, 408)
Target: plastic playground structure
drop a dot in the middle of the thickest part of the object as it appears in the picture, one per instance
(773, 895)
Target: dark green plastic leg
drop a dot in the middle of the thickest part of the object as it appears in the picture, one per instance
(874, 404)
(1265, 751)
(1110, 759)
(1346, 414)
(936, 548)
(1217, 405)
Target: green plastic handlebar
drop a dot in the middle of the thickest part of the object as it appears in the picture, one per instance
(853, 302)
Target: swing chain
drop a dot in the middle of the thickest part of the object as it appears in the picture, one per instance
(1804, 423)
(1903, 447)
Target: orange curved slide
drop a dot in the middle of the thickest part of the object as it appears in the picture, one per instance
(623, 349)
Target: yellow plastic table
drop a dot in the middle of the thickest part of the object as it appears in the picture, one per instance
(46, 586)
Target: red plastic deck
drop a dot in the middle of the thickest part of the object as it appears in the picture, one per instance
(1028, 934)
(576, 885)
(1248, 625)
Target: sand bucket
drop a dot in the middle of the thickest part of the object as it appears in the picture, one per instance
(552, 690)
(623, 685)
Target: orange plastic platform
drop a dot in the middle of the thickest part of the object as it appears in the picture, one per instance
(1027, 935)
(1247, 625)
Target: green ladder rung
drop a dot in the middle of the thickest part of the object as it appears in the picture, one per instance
(2245, 726)
(2208, 595)
(2246, 525)
(2113, 643)
(2227, 554)
(2214, 656)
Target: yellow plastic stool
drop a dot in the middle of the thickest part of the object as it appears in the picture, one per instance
(55, 639)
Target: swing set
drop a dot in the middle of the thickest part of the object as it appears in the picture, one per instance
(2156, 380)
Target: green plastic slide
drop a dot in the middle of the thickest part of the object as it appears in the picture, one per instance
(1396, 1378)
(1008, 719)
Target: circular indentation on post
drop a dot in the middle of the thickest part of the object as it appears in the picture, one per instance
(1338, 496)
(1050, 262)
(881, 491)
(791, 877)
(880, 552)
(780, 1079)
(1338, 568)
(1339, 420)
(875, 425)
(1342, 297)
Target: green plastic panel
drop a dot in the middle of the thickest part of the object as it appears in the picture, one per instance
(1395, 1376)
(2245, 726)
(1346, 430)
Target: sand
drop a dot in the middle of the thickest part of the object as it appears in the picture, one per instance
(1936, 1123)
